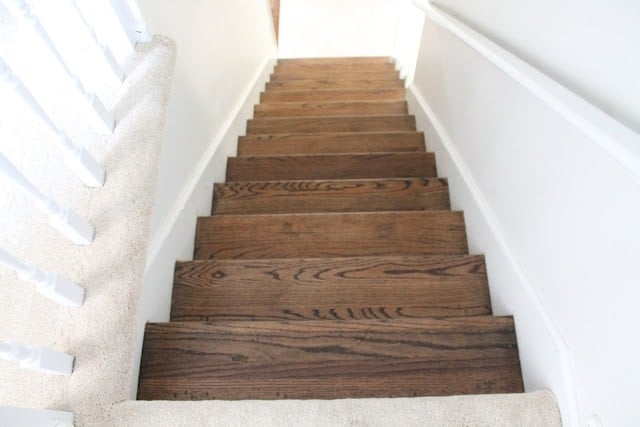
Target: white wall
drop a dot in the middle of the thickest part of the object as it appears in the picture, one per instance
(330, 28)
(590, 46)
(226, 52)
(557, 216)
(221, 44)
(321, 28)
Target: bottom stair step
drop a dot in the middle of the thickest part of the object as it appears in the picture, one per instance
(329, 359)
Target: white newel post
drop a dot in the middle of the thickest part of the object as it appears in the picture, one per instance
(77, 158)
(37, 358)
(106, 52)
(63, 219)
(104, 119)
(10, 416)
(131, 21)
(52, 285)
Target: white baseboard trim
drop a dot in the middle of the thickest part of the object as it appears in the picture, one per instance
(165, 229)
(569, 402)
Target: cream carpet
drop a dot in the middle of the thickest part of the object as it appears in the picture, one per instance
(101, 333)
(529, 409)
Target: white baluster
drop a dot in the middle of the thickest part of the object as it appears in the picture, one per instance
(37, 358)
(77, 158)
(21, 8)
(51, 285)
(106, 52)
(63, 219)
(34, 417)
(131, 21)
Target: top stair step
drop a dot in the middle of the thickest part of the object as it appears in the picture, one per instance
(334, 64)
(335, 75)
(337, 60)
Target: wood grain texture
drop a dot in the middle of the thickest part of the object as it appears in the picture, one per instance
(330, 235)
(345, 60)
(331, 166)
(384, 123)
(333, 288)
(329, 359)
(262, 197)
(331, 266)
(344, 108)
(331, 142)
(319, 84)
(340, 65)
(389, 94)
(333, 75)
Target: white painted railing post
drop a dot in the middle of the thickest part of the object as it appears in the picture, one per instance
(131, 21)
(37, 358)
(34, 417)
(104, 119)
(52, 285)
(106, 52)
(63, 219)
(77, 158)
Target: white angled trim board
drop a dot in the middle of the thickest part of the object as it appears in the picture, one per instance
(619, 141)
(176, 210)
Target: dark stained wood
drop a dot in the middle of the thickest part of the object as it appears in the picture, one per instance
(344, 108)
(318, 84)
(329, 359)
(330, 288)
(331, 166)
(397, 122)
(331, 266)
(328, 142)
(332, 75)
(330, 235)
(336, 65)
(413, 194)
(345, 60)
(389, 94)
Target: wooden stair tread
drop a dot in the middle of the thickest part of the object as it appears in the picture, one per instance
(338, 60)
(330, 288)
(299, 66)
(381, 123)
(318, 84)
(394, 93)
(331, 166)
(330, 235)
(329, 359)
(333, 75)
(330, 142)
(351, 108)
(330, 196)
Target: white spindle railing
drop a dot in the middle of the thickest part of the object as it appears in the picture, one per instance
(77, 158)
(34, 417)
(21, 9)
(37, 358)
(106, 52)
(63, 219)
(51, 285)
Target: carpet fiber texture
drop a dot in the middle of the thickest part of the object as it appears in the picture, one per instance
(101, 333)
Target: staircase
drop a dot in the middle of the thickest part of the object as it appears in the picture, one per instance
(331, 266)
